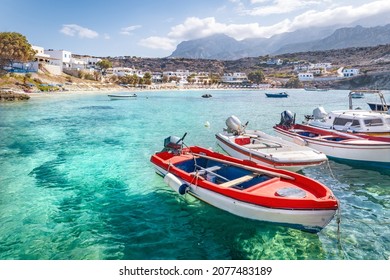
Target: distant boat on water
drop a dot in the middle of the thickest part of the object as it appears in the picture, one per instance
(121, 96)
(315, 89)
(374, 106)
(277, 95)
(378, 107)
(357, 94)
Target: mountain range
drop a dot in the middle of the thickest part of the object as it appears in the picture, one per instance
(223, 47)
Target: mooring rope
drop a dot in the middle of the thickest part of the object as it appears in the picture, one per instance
(338, 213)
(330, 170)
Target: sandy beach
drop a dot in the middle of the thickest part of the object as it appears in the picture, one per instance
(119, 89)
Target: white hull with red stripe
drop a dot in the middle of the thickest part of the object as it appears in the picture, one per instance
(338, 145)
(269, 150)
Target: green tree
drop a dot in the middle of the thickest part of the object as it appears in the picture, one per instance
(134, 79)
(256, 76)
(147, 79)
(293, 82)
(104, 64)
(191, 78)
(14, 47)
(214, 78)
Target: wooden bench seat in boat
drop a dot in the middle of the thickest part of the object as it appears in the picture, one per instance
(238, 180)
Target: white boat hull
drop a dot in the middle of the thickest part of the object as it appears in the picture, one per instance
(121, 97)
(310, 220)
(288, 156)
(355, 150)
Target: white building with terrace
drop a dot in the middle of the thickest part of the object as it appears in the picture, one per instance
(123, 71)
(306, 76)
(350, 72)
(62, 57)
(234, 78)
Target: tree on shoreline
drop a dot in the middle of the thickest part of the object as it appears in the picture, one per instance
(256, 76)
(293, 82)
(14, 47)
(104, 65)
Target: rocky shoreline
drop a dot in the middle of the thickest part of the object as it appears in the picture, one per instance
(13, 96)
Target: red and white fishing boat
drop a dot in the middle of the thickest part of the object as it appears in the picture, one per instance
(334, 144)
(245, 188)
(266, 149)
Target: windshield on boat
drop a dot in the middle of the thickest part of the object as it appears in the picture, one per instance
(345, 121)
(373, 122)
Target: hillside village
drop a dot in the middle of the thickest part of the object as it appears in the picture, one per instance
(60, 70)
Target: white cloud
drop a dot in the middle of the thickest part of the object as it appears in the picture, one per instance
(106, 36)
(279, 6)
(82, 32)
(128, 30)
(340, 15)
(195, 28)
(156, 42)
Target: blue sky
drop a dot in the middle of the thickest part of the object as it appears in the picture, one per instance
(152, 28)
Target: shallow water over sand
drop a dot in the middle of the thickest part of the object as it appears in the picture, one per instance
(76, 182)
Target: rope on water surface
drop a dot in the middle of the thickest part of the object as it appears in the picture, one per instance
(338, 213)
(330, 170)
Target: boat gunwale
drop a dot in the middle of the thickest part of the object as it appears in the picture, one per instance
(370, 144)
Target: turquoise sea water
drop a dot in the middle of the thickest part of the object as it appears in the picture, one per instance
(76, 182)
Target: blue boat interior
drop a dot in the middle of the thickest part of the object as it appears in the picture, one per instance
(308, 134)
(329, 138)
(220, 173)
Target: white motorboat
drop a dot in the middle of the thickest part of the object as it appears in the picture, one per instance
(353, 121)
(122, 96)
(266, 149)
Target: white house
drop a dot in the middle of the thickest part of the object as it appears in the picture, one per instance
(306, 76)
(63, 58)
(157, 77)
(321, 65)
(180, 73)
(90, 61)
(77, 64)
(40, 59)
(350, 72)
(234, 78)
(123, 71)
(274, 61)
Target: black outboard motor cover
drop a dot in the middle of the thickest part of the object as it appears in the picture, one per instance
(287, 119)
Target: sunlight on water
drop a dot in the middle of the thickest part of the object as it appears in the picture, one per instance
(76, 182)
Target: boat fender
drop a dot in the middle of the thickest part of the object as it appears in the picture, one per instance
(175, 183)
(183, 189)
(299, 141)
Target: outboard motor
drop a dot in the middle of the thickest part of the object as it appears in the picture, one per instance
(319, 113)
(234, 125)
(287, 119)
(174, 143)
